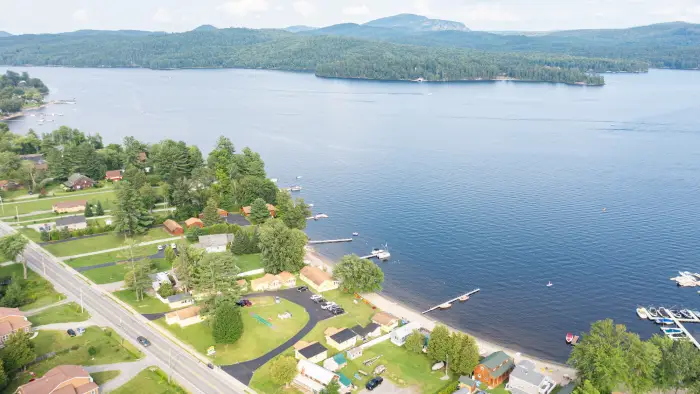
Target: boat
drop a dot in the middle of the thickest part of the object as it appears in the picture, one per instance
(663, 312)
(311, 205)
(355, 234)
(550, 284)
(273, 180)
(295, 189)
(321, 216)
(664, 320)
(463, 298)
(642, 313)
(569, 337)
(686, 314)
(677, 336)
(299, 177)
(671, 330)
(438, 366)
(676, 314)
(696, 313)
(446, 305)
(652, 312)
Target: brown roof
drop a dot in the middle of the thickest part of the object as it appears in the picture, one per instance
(41, 166)
(57, 377)
(315, 275)
(265, 279)
(171, 225)
(113, 174)
(284, 275)
(332, 331)
(70, 204)
(10, 312)
(242, 282)
(10, 324)
(270, 208)
(185, 313)
(189, 222)
(384, 318)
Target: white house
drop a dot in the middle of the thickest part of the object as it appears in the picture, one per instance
(526, 380)
(71, 223)
(158, 279)
(314, 352)
(215, 243)
(312, 378)
(398, 336)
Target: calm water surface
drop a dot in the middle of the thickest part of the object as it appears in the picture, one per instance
(493, 185)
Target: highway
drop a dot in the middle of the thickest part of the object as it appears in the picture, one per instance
(187, 370)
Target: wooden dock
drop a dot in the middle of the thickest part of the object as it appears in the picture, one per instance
(452, 300)
(687, 333)
(330, 241)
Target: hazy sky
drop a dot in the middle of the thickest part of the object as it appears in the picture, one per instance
(39, 16)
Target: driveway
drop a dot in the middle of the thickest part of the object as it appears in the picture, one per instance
(159, 255)
(388, 387)
(244, 371)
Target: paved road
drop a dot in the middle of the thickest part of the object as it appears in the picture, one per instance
(188, 370)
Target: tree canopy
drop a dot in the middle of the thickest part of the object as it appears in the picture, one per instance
(281, 248)
(358, 275)
(227, 324)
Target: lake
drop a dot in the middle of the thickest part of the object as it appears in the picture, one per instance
(497, 185)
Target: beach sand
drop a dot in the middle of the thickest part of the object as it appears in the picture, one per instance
(559, 373)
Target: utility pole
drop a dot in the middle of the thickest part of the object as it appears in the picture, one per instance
(17, 212)
(170, 364)
(3, 206)
(81, 301)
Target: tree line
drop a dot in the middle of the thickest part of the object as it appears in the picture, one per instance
(20, 90)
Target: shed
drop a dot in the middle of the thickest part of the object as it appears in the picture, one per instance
(354, 353)
(173, 227)
(335, 363)
(194, 222)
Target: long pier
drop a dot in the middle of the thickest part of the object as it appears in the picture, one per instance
(452, 300)
(687, 333)
(330, 241)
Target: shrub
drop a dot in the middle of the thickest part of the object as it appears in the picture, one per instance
(45, 237)
(166, 290)
(227, 326)
(92, 351)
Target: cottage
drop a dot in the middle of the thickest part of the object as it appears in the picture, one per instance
(335, 363)
(267, 282)
(6, 185)
(194, 222)
(78, 182)
(314, 352)
(399, 335)
(270, 209)
(354, 353)
(467, 384)
(63, 379)
(41, 166)
(372, 330)
(494, 369)
(313, 378)
(71, 223)
(386, 321)
(11, 321)
(179, 300)
(340, 338)
(287, 279)
(184, 317)
(215, 243)
(318, 280)
(114, 175)
(242, 284)
(158, 279)
(70, 206)
(173, 227)
(526, 380)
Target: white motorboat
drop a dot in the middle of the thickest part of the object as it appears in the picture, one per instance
(642, 313)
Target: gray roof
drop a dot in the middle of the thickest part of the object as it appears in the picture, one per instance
(312, 350)
(463, 391)
(526, 371)
(179, 297)
(364, 331)
(75, 177)
(343, 335)
(466, 380)
(209, 241)
(68, 220)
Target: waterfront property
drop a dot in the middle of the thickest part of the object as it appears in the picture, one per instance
(114, 175)
(467, 384)
(194, 222)
(70, 206)
(63, 379)
(71, 223)
(372, 330)
(266, 283)
(11, 321)
(317, 279)
(399, 335)
(314, 352)
(270, 208)
(386, 321)
(173, 227)
(526, 380)
(340, 338)
(185, 317)
(78, 182)
(494, 369)
(215, 243)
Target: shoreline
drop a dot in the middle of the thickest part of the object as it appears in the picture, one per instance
(555, 370)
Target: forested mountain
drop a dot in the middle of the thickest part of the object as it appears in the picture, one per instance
(327, 56)
(299, 28)
(414, 23)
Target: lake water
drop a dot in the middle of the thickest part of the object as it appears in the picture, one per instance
(493, 185)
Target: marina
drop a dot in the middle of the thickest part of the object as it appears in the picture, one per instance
(687, 279)
(447, 304)
(672, 322)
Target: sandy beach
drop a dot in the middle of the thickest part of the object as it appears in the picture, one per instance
(559, 373)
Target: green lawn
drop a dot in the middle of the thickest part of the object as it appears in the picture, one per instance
(501, 390)
(44, 204)
(60, 314)
(101, 378)
(151, 380)
(257, 338)
(115, 273)
(103, 242)
(262, 379)
(359, 313)
(248, 262)
(38, 291)
(30, 233)
(147, 305)
(118, 255)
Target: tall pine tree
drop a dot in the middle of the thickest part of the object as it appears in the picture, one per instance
(130, 216)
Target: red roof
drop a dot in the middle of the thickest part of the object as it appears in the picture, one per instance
(114, 174)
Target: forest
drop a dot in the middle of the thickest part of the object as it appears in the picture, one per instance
(20, 90)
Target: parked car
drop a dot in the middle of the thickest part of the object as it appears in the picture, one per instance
(210, 365)
(143, 341)
(277, 300)
(71, 332)
(337, 311)
(244, 303)
(302, 289)
(173, 245)
(328, 305)
(320, 300)
(160, 247)
(80, 330)
(374, 383)
(316, 297)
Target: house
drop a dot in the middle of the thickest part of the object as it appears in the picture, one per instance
(270, 208)
(184, 317)
(242, 284)
(70, 206)
(11, 321)
(194, 222)
(466, 383)
(179, 300)
(158, 279)
(9, 185)
(372, 330)
(317, 279)
(78, 182)
(215, 243)
(313, 378)
(399, 335)
(267, 282)
(335, 363)
(173, 227)
(71, 223)
(340, 339)
(41, 166)
(354, 353)
(494, 369)
(526, 380)
(63, 379)
(287, 278)
(114, 175)
(314, 352)
(386, 321)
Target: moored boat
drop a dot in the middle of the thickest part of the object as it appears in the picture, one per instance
(664, 320)
(569, 337)
(463, 298)
(642, 313)
(686, 314)
(671, 330)
(446, 305)
(652, 312)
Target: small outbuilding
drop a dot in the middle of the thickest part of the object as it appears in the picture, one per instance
(194, 222)
(114, 175)
(70, 206)
(335, 363)
(184, 317)
(173, 227)
(71, 223)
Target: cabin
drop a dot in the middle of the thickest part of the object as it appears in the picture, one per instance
(270, 208)
(173, 227)
(78, 182)
(354, 353)
(340, 338)
(335, 363)
(215, 243)
(114, 175)
(70, 206)
(11, 321)
(526, 380)
(386, 321)
(184, 317)
(287, 278)
(267, 282)
(236, 218)
(312, 378)
(71, 223)
(399, 335)
(313, 352)
(494, 369)
(63, 379)
(372, 330)
(194, 222)
(317, 279)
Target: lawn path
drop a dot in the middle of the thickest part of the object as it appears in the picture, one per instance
(70, 195)
(43, 308)
(66, 326)
(119, 248)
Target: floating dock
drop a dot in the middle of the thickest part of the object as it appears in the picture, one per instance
(330, 241)
(452, 300)
(679, 323)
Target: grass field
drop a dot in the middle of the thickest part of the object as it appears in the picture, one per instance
(119, 255)
(147, 305)
(262, 379)
(248, 262)
(101, 378)
(359, 313)
(115, 273)
(38, 291)
(257, 338)
(102, 242)
(151, 380)
(60, 314)
(30, 233)
(45, 204)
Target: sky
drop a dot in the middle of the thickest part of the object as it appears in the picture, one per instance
(52, 16)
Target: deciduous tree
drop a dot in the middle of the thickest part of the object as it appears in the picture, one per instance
(468, 357)
(293, 215)
(439, 343)
(332, 388)
(215, 276)
(358, 275)
(12, 247)
(3, 376)
(258, 211)
(18, 351)
(586, 388)
(415, 342)
(14, 295)
(281, 248)
(283, 370)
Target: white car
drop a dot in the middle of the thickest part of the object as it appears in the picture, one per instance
(316, 296)
(173, 245)
(328, 305)
(160, 247)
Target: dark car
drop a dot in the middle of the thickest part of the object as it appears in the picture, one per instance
(71, 332)
(374, 383)
(338, 311)
(320, 301)
(244, 303)
(143, 341)
(302, 289)
(210, 365)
